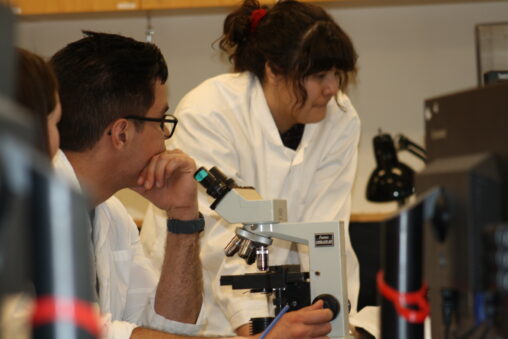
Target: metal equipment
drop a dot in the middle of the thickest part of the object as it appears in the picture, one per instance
(266, 219)
(465, 263)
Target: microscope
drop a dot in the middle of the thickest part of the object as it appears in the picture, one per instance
(263, 220)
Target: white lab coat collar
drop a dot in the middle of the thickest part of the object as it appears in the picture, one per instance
(259, 108)
(64, 168)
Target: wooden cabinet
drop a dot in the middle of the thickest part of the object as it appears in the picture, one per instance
(38, 7)
(57, 7)
(35, 7)
(176, 4)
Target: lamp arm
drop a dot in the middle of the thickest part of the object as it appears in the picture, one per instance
(404, 143)
(417, 154)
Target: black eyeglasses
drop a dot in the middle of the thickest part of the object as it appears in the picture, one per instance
(167, 123)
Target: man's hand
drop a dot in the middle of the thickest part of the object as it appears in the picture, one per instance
(168, 182)
(309, 322)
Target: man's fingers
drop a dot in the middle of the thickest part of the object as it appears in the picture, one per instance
(316, 306)
(164, 165)
(162, 171)
(141, 177)
(157, 171)
(317, 316)
(149, 173)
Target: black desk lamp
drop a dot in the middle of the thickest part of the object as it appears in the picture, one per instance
(392, 180)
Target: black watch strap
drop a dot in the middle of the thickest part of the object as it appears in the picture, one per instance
(186, 226)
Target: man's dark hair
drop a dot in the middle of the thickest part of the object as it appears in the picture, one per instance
(104, 77)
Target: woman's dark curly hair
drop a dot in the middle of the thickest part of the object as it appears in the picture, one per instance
(295, 39)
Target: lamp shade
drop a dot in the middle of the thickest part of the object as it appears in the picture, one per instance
(391, 180)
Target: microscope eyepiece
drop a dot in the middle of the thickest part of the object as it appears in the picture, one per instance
(221, 177)
(216, 185)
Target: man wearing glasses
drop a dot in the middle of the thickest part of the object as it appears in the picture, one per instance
(113, 127)
(167, 123)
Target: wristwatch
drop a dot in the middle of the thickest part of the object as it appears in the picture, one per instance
(186, 226)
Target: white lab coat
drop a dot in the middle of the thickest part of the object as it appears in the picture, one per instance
(127, 279)
(226, 122)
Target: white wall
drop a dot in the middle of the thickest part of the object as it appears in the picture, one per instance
(407, 54)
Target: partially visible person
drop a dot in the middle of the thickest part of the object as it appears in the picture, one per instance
(281, 123)
(37, 91)
(113, 128)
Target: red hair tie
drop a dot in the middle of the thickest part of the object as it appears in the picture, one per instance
(255, 18)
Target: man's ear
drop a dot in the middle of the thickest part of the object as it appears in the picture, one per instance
(120, 133)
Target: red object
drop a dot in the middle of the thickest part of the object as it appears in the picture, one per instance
(49, 309)
(401, 301)
(256, 17)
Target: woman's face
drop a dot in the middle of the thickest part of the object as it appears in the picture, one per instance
(320, 88)
(53, 135)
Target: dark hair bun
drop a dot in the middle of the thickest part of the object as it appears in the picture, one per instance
(237, 26)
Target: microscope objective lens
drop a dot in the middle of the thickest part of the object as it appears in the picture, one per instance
(246, 249)
(262, 258)
(251, 259)
(233, 246)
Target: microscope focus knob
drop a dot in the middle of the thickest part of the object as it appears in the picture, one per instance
(329, 302)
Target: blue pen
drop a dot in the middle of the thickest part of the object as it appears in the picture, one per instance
(272, 324)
